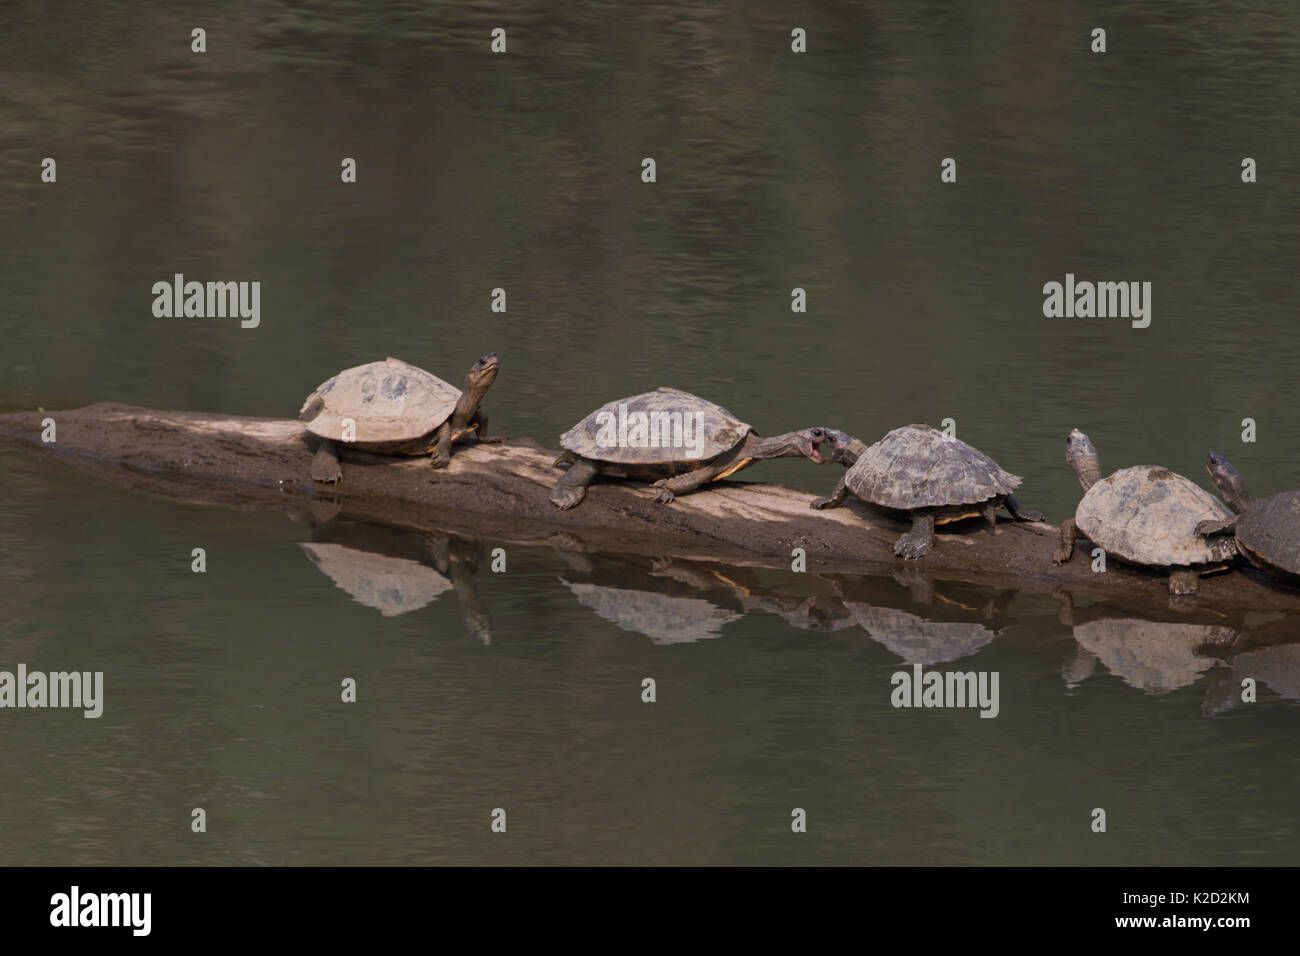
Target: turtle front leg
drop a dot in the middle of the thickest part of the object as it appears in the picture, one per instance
(569, 491)
(836, 499)
(480, 431)
(325, 464)
(670, 488)
(1019, 513)
(1068, 533)
(1183, 581)
(917, 542)
(442, 446)
(1212, 526)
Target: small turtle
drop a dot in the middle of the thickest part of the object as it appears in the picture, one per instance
(396, 409)
(934, 477)
(1266, 530)
(675, 439)
(1144, 515)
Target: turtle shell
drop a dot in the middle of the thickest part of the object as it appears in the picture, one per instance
(641, 430)
(919, 467)
(1269, 532)
(917, 640)
(388, 401)
(1148, 515)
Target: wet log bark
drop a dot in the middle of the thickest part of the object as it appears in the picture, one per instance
(500, 492)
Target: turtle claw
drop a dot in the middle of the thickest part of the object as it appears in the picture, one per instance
(817, 504)
(440, 460)
(664, 496)
(1060, 557)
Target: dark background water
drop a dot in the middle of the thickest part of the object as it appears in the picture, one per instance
(523, 171)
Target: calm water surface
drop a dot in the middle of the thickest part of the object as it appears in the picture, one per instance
(523, 172)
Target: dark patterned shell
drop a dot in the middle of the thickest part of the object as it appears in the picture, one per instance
(388, 401)
(1148, 515)
(643, 429)
(1270, 532)
(918, 467)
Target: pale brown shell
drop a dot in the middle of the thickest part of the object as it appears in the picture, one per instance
(1148, 515)
(389, 401)
(720, 430)
(919, 467)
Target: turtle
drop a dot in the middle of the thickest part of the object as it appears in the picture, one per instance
(672, 438)
(1144, 515)
(396, 409)
(932, 476)
(1265, 530)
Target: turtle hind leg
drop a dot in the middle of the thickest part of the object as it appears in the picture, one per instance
(1183, 581)
(917, 542)
(325, 464)
(1020, 514)
(569, 491)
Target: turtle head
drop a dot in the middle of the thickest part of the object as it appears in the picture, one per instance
(845, 449)
(1227, 479)
(483, 373)
(1082, 457)
(809, 442)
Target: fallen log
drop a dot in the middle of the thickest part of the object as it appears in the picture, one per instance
(500, 492)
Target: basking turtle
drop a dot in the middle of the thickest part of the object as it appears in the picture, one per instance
(673, 438)
(396, 409)
(935, 478)
(1266, 530)
(1144, 515)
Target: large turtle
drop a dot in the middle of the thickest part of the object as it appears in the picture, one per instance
(1266, 530)
(675, 439)
(932, 476)
(1144, 515)
(395, 409)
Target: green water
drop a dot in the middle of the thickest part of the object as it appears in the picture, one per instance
(522, 172)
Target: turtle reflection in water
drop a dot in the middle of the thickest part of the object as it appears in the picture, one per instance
(663, 618)
(1277, 667)
(923, 621)
(1153, 656)
(395, 585)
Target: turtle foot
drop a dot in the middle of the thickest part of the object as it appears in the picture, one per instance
(817, 504)
(325, 468)
(912, 546)
(566, 498)
(1029, 514)
(1060, 557)
(440, 460)
(663, 495)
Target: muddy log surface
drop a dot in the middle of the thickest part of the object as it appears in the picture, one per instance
(500, 492)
